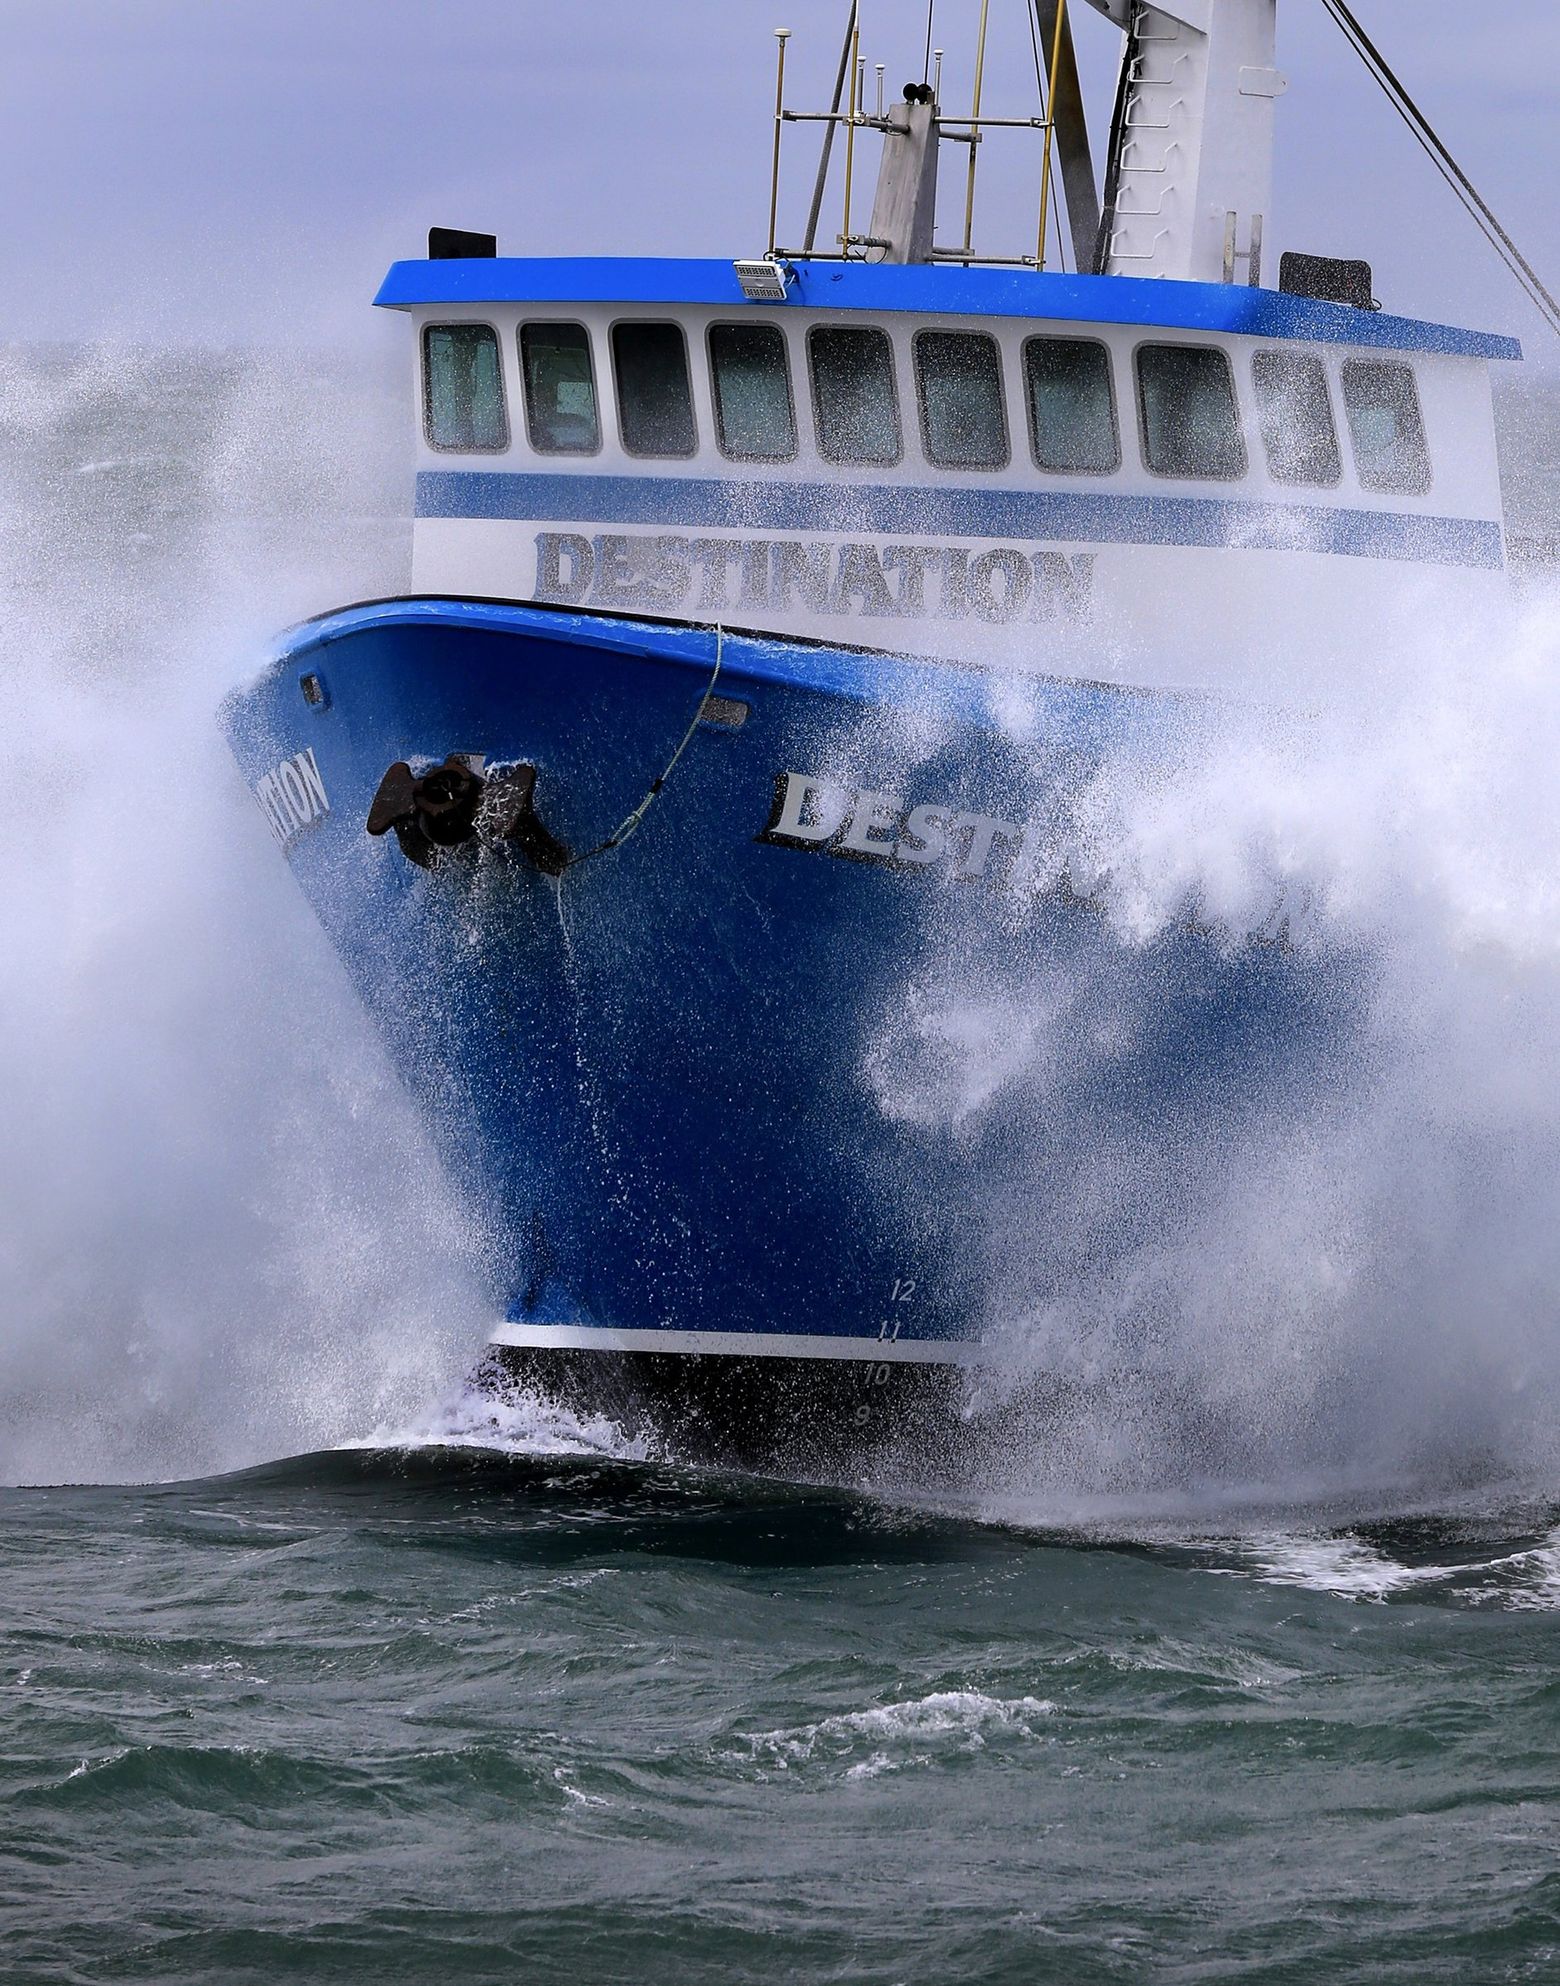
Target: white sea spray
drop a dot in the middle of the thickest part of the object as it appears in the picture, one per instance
(1328, 1249)
(224, 1235)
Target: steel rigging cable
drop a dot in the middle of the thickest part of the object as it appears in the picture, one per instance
(1444, 163)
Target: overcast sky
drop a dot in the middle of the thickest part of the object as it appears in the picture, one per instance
(233, 169)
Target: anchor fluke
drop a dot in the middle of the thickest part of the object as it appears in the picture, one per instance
(508, 813)
(396, 799)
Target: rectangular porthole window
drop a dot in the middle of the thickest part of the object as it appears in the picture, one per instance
(1072, 406)
(1385, 425)
(560, 389)
(655, 400)
(854, 400)
(463, 389)
(959, 380)
(755, 420)
(1186, 396)
(1295, 415)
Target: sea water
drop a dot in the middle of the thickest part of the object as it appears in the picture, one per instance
(1242, 1670)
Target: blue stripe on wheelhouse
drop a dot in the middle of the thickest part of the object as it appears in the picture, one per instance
(715, 502)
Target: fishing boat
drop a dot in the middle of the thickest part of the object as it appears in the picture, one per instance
(764, 615)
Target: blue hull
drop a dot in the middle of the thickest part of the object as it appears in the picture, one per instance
(667, 1079)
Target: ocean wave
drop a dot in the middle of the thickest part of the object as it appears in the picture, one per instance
(1353, 1568)
(1179, 1661)
(894, 1735)
(525, 1425)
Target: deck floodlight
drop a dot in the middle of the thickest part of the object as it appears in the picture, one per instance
(763, 281)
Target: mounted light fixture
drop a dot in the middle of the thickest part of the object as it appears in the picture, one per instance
(763, 281)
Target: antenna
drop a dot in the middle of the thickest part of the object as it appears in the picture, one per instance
(782, 36)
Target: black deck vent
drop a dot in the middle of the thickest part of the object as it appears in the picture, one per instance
(1328, 278)
(459, 245)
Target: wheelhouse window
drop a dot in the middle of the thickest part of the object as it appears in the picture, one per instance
(854, 401)
(655, 400)
(1294, 413)
(959, 383)
(755, 419)
(463, 389)
(1385, 425)
(1072, 406)
(1186, 396)
(560, 389)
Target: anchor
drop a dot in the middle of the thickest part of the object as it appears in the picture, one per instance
(455, 804)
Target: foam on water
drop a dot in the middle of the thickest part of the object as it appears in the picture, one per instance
(224, 1237)
(524, 1424)
(1349, 1567)
(1350, 1271)
(1345, 1565)
(893, 1736)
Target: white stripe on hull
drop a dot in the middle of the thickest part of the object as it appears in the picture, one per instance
(741, 1344)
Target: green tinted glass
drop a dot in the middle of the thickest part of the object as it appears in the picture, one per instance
(1072, 407)
(1190, 423)
(1385, 425)
(853, 394)
(959, 377)
(1295, 416)
(560, 389)
(463, 388)
(655, 402)
(754, 417)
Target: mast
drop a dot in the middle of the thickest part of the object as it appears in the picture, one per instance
(1192, 173)
(1071, 133)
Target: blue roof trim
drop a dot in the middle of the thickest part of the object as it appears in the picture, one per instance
(694, 502)
(935, 289)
